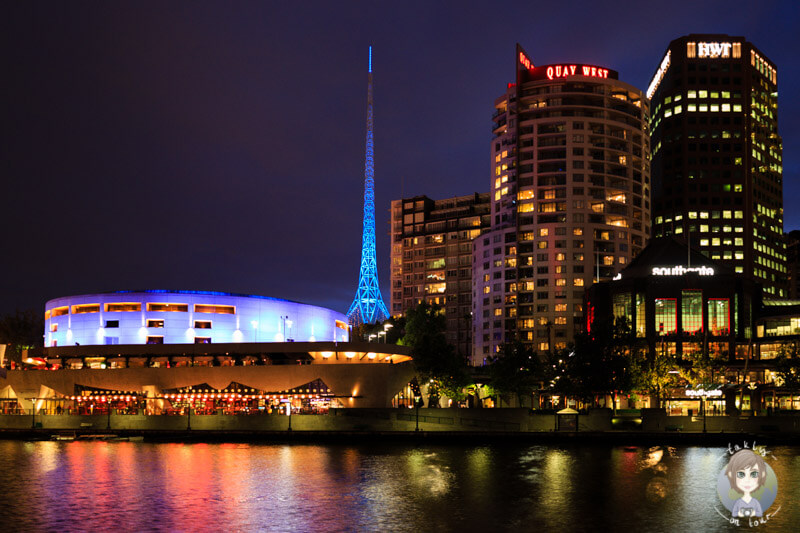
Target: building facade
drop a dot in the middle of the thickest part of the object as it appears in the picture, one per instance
(432, 258)
(186, 317)
(717, 155)
(570, 201)
(692, 310)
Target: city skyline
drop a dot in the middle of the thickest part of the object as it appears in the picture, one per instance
(222, 149)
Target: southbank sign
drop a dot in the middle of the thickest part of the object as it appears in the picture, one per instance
(680, 270)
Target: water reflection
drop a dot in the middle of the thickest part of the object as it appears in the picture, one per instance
(98, 486)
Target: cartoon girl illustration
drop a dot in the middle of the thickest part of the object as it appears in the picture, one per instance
(746, 472)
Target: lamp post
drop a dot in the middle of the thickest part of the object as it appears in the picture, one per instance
(384, 336)
(290, 413)
(371, 336)
(416, 405)
(33, 413)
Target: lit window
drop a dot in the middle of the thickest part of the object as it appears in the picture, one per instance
(577, 282)
(703, 94)
(543, 232)
(678, 110)
(727, 214)
(692, 310)
(690, 94)
(703, 108)
(737, 108)
(666, 315)
(691, 108)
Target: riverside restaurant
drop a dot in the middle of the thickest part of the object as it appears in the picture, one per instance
(235, 378)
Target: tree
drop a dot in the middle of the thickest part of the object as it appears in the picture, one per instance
(787, 368)
(515, 370)
(653, 374)
(435, 360)
(597, 364)
(22, 330)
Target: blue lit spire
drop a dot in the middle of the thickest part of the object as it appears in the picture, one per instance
(368, 306)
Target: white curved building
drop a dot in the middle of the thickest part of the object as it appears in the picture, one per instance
(186, 317)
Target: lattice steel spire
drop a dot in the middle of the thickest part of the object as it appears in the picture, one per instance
(368, 306)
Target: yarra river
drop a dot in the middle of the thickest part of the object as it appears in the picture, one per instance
(376, 486)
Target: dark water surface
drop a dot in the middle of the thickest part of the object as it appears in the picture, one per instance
(134, 486)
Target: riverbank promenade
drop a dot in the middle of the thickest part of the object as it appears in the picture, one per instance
(455, 423)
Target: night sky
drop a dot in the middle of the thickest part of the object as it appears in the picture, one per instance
(220, 145)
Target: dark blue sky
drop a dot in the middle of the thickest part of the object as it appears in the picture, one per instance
(220, 145)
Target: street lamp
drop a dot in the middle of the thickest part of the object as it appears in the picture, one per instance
(384, 336)
(372, 336)
(416, 404)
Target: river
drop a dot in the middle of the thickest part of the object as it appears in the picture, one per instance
(140, 486)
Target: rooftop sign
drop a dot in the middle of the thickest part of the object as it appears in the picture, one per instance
(680, 270)
(713, 50)
(562, 71)
(660, 73)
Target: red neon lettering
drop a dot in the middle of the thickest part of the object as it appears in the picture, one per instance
(549, 73)
(585, 71)
(572, 69)
(594, 71)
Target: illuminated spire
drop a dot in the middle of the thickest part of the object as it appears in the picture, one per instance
(368, 306)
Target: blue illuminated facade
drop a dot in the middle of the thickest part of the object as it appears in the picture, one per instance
(368, 306)
(186, 317)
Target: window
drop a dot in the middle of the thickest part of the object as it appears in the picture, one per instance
(719, 316)
(202, 324)
(155, 323)
(218, 309)
(692, 311)
(622, 307)
(202, 340)
(112, 323)
(85, 308)
(666, 314)
(122, 307)
(641, 316)
(155, 340)
(163, 308)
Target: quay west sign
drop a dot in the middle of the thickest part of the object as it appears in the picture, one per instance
(562, 71)
(680, 270)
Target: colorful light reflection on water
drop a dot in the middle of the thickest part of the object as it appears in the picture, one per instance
(102, 486)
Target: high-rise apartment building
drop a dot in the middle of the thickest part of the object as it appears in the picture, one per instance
(570, 201)
(432, 258)
(717, 155)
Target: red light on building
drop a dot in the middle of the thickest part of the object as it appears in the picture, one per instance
(525, 61)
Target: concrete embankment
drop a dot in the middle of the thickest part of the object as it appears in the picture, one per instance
(651, 425)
